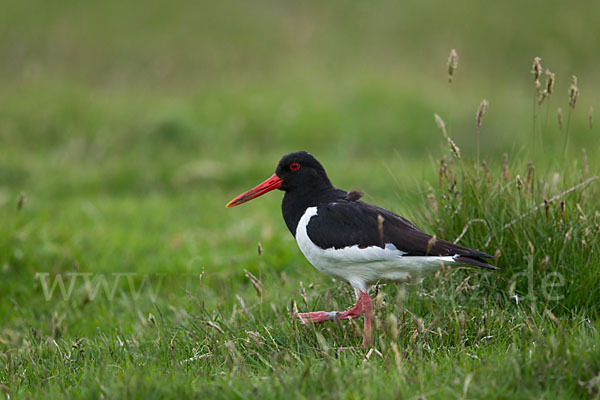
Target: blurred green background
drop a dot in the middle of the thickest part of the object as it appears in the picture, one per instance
(126, 126)
(129, 125)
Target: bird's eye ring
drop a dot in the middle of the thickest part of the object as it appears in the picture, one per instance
(295, 166)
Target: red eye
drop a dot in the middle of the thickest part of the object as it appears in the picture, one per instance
(294, 166)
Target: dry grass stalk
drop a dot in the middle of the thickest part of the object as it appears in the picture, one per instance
(568, 235)
(480, 112)
(430, 243)
(505, 167)
(442, 125)
(553, 199)
(452, 64)
(215, 326)
(559, 117)
(581, 212)
(258, 286)
(380, 220)
(591, 116)
(573, 92)
(468, 225)
(259, 249)
(294, 308)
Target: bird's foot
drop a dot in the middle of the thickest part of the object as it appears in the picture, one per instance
(316, 316)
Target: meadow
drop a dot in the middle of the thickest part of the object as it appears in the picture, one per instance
(126, 128)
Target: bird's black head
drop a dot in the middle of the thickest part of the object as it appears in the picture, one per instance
(295, 172)
(301, 170)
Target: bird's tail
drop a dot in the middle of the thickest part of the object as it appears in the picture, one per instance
(476, 261)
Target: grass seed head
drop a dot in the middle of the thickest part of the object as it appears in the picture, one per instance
(529, 176)
(573, 92)
(379, 301)
(591, 116)
(454, 148)
(549, 87)
(480, 111)
(536, 68)
(519, 182)
(303, 294)
(452, 64)
(21, 201)
(550, 78)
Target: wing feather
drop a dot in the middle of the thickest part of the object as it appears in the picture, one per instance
(344, 223)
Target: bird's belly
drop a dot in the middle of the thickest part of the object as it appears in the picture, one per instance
(363, 274)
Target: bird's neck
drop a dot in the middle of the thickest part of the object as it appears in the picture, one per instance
(295, 203)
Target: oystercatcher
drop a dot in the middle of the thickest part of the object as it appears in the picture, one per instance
(351, 240)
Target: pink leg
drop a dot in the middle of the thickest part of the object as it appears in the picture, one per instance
(368, 310)
(321, 316)
(363, 305)
(354, 312)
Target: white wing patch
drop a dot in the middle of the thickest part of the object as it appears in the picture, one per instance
(364, 267)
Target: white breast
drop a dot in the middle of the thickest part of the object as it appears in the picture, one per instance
(364, 267)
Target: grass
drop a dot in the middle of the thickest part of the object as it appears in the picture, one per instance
(121, 146)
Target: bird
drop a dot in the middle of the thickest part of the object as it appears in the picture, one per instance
(351, 240)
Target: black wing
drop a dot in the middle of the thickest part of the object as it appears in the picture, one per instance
(346, 223)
